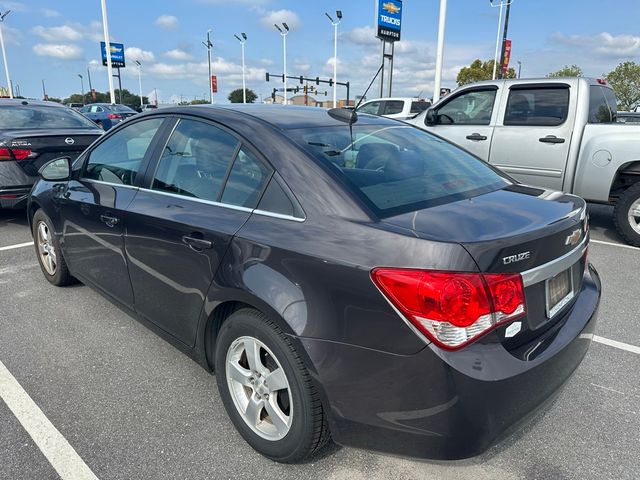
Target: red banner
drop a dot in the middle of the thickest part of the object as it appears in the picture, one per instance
(507, 56)
(214, 84)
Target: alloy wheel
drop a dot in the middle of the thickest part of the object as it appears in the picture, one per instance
(634, 216)
(46, 250)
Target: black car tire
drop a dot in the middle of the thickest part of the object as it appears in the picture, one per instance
(621, 215)
(61, 275)
(308, 431)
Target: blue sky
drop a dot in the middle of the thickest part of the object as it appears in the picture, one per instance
(55, 41)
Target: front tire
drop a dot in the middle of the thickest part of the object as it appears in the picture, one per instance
(52, 263)
(626, 215)
(266, 389)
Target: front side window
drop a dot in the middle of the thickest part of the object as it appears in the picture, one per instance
(391, 107)
(371, 107)
(471, 108)
(195, 161)
(118, 158)
(397, 169)
(545, 107)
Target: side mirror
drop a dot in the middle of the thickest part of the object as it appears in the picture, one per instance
(431, 117)
(57, 170)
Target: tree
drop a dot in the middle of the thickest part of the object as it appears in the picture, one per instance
(236, 96)
(625, 81)
(478, 71)
(128, 98)
(198, 101)
(567, 71)
(52, 99)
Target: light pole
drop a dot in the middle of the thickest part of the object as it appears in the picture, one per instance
(4, 54)
(209, 45)
(335, 24)
(140, 82)
(440, 50)
(90, 86)
(107, 47)
(284, 49)
(519, 68)
(501, 4)
(82, 87)
(242, 42)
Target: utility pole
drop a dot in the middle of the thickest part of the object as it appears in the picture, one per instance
(44, 91)
(140, 82)
(284, 33)
(440, 50)
(107, 47)
(209, 45)
(242, 42)
(90, 86)
(335, 24)
(519, 68)
(4, 54)
(504, 38)
(82, 87)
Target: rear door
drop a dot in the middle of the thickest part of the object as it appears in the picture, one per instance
(532, 139)
(203, 189)
(92, 207)
(466, 118)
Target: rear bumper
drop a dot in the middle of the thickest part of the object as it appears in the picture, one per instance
(447, 405)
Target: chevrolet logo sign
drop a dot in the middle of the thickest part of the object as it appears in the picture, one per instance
(390, 7)
(574, 238)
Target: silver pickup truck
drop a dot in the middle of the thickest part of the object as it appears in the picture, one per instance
(556, 133)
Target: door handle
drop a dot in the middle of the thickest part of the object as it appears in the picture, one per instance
(197, 244)
(476, 137)
(109, 220)
(551, 139)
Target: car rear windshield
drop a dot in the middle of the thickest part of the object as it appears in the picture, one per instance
(398, 169)
(120, 108)
(38, 116)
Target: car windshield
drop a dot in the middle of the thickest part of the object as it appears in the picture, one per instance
(398, 169)
(39, 116)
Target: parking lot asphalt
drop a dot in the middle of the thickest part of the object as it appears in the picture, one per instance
(134, 407)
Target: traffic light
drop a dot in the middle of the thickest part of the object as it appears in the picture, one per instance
(283, 78)
(305, 90)
(331, 82)
(317, 80)
(301, 80)
(297, 90)
(273, 94)
(267, 76)
(325, 93)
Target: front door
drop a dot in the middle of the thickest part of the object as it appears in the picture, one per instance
(465, 119)
(532, 140)
(93, 206)
(179, 227)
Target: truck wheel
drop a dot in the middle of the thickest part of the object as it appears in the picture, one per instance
(626, 215)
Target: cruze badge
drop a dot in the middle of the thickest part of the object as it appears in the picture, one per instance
(516, 258)
(574, 238)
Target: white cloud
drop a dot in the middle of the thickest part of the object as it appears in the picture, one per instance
(135, 53)
(168, 22)
(266, 61)
(363, 36)
(281, 16)
(49, 13)
(603, 44)
(62, 51)
(178, 54)
(62, 33)
(12, 36)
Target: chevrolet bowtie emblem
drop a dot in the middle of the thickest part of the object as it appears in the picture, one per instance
(574, 238)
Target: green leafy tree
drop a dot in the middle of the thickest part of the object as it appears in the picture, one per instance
(128, 98)
(479, 71)
(567, 71)
(625, 81)
(55, 99)
(198, 101)
(236, 96)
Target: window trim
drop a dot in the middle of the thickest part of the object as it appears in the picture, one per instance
(144, 163)
(537, 86)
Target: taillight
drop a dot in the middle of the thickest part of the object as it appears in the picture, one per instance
(14, 153)
(452, 308)
(113, 116)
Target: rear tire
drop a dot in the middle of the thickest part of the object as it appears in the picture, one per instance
(53, 265)
(284, 422)
(626, 215)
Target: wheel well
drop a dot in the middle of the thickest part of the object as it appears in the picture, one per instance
(626, 176)
(214, 323)
(33, 208)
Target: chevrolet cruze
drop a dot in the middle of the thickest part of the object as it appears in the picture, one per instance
(346, 276)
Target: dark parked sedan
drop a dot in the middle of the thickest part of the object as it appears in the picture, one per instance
(366, 282)
(107, 115)
(31, 134)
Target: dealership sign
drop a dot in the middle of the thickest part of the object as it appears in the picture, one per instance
(117, 54)
(389, 17)
(507, 56)
(214, 84)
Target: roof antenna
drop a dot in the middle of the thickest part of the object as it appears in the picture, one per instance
(344, 115)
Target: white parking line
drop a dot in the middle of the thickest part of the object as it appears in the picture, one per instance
(616, 344)
(60, 454)
(17, 245)
(613, 244)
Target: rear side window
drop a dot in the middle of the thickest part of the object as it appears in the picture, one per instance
(195, 161)
(371, 107)
(599, 109)
(118, 158)
(391, 107)
(537, 106)
(417, 107)
(40, 116)
(246, 181)
(397, 169)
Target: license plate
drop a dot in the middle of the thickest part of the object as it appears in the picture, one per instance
(559, 292)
